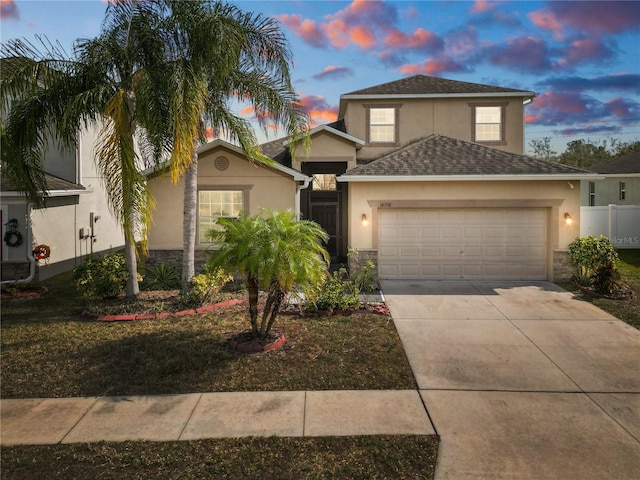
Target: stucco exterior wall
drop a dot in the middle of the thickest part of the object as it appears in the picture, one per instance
(557, 196)
(451, 117)
(608, 191)
(326, 147)
(267, 188)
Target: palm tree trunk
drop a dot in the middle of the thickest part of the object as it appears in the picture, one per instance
(274, 311)
(189, 221)
(253, 289)
(133, 290)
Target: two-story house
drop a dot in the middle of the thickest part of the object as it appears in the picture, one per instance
(76, 221)
(424, 176)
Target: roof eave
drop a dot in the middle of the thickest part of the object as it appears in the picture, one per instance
(468, 178)
(523, 94)
(321, 128)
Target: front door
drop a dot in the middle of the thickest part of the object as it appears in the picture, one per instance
(325, 202)
(327, 216)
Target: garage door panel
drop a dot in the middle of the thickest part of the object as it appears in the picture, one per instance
(463, 243)
(450, 252)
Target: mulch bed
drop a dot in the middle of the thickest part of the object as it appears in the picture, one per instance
(622, 295)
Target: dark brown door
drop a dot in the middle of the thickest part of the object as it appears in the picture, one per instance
(326, 215)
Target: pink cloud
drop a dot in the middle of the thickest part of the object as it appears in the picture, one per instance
(306, 29)
(482, 6)
(522, 53)
(419, 39)
(363, 37)
(585, 49)
(318, 109)
(547, 21)
(433, 67)
(9, 10)
(623, 108)
(590, 17)
(333, 72)
(598, 17)
(248, 110)
(463, 42)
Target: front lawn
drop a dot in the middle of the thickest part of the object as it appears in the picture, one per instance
(374, 457)
(628, 311)
(49, 350)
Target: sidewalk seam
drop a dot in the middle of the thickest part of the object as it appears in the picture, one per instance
(95, 400)
(190, 417)
(304, 414)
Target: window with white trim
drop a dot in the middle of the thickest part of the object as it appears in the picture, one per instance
(622, 187)
(592, 194)
(488, 124)
(215, 204)
(382, 125)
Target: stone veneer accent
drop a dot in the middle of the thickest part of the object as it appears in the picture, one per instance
(563, 266)
(357, 259)
(174, 257)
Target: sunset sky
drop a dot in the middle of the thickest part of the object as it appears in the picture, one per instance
(581, 58)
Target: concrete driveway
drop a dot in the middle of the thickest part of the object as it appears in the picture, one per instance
(521, 380)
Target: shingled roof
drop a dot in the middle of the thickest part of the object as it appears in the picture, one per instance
(54, 184)
(434, 86)
(627, 164)
(438, 155)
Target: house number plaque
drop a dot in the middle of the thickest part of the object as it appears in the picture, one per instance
(385, 204)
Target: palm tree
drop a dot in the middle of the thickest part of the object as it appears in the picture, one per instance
(276, 252)
(111, 81)
(218, 54)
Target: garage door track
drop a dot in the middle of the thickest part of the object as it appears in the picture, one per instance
(522, 380)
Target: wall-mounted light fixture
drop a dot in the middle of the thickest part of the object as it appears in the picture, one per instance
(567, 219)
(364, 219)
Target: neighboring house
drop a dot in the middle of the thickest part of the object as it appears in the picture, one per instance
(424, 176)
(611, 207)
(621, 185)
(75, 222)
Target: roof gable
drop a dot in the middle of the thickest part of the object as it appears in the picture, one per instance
(437, 156)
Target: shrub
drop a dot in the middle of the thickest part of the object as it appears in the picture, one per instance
(596, 261)
(336, 293)
(364, 278)
(205, 286)
(104, 277)
(162, 277)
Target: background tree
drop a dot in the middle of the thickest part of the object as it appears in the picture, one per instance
(110, 81)
(542, 149)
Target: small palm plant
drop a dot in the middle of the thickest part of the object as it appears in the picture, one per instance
(275, 252)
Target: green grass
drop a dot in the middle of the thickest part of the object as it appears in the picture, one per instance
(372, 457)
(50, 350)
(628, 311)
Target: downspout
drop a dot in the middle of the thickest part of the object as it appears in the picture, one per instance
(30, 257)
(300, 186)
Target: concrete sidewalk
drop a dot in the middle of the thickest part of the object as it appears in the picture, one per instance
(213, 415)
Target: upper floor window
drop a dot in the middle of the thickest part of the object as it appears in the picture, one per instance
(382, 125)
(622, 188)
(214, 204)
(592, 194)
(488, 123)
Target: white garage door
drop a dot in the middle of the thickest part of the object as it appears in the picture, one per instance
(474, 243)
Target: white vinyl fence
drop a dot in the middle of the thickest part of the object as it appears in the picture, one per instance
(620, 223)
